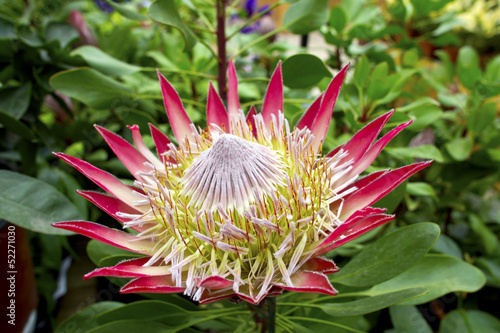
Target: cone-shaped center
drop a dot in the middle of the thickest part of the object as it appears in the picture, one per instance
(232, 173)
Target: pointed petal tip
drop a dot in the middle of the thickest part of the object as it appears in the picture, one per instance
(133, 127)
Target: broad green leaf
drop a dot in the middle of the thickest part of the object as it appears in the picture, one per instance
(439, 274)
(446, 245)
(338, 18)
(410, 58)
(488, 238)
(424, 116)
(459, 149)
(468, 69)
(303, 71)
(424, 151)
(378, 88)
(388, 256)
(305, 16)
(125, 325)
(146, 310)
(370, 304)
(361, 72)
(472, 321)
(97, 251)
(84, 320)
(92, 88)
(15, 101)
(492, 72)
(15, 126)
(479, 119)
(407, 318)
(103, 62)
(33, 204)
(491, 267)
(165, 11)
(130, 13)
(420, 188)
(62, 32)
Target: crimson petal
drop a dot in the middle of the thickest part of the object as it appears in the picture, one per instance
(322, 120)
(130, 157)
(233, 101)
(216, 112)
(310, 282)
(273, 101)
(153, 284)
(321, 265)
(109, 236)
(179, 120)
(103, 179)
(379, 188)
(129, 269)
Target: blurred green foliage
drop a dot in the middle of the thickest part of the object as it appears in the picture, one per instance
(66, 65)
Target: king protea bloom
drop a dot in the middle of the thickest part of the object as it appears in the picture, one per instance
(243, 208)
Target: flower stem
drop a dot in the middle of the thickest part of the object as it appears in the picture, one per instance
(221, 47)
(271, 314)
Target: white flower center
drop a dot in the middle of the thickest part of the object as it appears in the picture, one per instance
(231, 173)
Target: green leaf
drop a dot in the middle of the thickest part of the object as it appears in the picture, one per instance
(130, 13)
(439, 274)
(15, 126)
(479, 119)
(491, 267)
(468, 69)
(424, 151)
(33, 204)
(492, 71)
(338, 18)
(103, 62)
(91, 87)
(488, 238)
(97, 251)
(370, 304)
(361, 72)
(446, 245)
(472, 321)
(146, 310)
(424, 116)
(15, 100)
(420, 188)
(143, 326)
(379, 261)
(407, 318)
(305, 16)
(459, 149)
(84, 320)
(62, 32)
(165, 11)
(302, 71)
(410, 58)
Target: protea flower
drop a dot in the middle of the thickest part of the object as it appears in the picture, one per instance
(243, 208)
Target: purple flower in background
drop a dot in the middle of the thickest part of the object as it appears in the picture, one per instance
(262, 26)
(104, 6)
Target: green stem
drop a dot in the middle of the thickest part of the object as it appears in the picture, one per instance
(271, 314)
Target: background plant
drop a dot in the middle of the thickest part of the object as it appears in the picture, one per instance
(405, 55)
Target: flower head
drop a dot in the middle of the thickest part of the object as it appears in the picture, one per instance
(243, 208)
